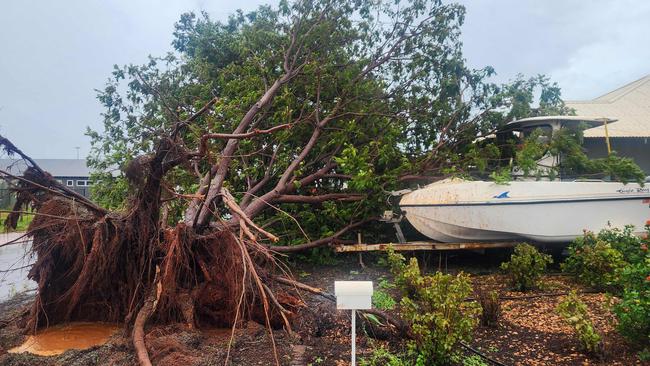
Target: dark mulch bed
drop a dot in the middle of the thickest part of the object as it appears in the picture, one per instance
(529, 332)
(532, 333)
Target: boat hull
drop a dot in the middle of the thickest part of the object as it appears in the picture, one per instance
(550, 212)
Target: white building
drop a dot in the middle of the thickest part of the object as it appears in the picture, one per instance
(74, 173)
(630, 135)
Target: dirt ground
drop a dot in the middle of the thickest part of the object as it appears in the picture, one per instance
(529, 331)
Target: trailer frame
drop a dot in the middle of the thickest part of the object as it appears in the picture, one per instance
(421, 245)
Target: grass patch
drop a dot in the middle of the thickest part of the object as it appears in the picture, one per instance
(23, 222)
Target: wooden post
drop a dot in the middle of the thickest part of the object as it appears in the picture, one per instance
(360, 253)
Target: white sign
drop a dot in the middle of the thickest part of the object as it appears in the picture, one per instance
(353, 295)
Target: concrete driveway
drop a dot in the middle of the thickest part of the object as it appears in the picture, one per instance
(13, 278)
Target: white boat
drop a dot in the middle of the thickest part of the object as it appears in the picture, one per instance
(456, 210)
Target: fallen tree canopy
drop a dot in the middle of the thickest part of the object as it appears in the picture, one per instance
(312, 111)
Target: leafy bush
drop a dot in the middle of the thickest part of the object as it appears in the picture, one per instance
(594, 262)
(526, 266)
(435, 308)
(633, 311)
(574, 311)
(620, 261)
(501, 176)
(490, 308)
(633, 248)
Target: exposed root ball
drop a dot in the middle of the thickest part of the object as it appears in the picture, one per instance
(95, 265)
(91, 268)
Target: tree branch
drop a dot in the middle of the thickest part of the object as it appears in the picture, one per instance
(319, 242)
(290, 198)
(239, 136)
(236, 210)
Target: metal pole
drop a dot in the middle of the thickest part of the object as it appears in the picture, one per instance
(354, 337)
(609, 145)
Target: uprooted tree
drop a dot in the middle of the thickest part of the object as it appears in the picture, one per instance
(277, 131)
(319, 108)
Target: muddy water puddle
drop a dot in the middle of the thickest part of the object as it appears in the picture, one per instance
(60, 338)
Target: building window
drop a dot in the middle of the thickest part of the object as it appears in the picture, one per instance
(82, 183)
(69, 183)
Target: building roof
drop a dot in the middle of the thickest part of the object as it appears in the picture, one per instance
(629, 104)
(56, 167)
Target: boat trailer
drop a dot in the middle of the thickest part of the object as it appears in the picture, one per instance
(402, 245)
(421, 245)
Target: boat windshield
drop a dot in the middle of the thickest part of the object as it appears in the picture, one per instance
(546, 132)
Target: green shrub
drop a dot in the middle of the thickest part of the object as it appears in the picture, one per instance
(628, 244)
(490, 308)
(633, 311)
(574, 311)
(526, 266)
(619, 261)
(435, 308)
(594, 262)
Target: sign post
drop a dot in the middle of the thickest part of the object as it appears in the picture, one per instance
(353, 295)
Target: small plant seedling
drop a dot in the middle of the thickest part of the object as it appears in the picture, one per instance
(382, 300)
(474, 360)
(384, 284)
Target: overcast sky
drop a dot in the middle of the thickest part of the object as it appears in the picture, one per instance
(53, 54)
